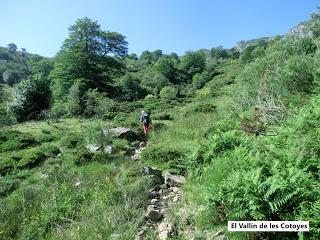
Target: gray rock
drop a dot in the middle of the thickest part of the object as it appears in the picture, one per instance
(176, 198)
(154, 215)
(165, 230)
(109, 149)
(143, 144)
(163, 186)
(217, 234)
(154, 201)
(140, 233)
(122, 132)
(77, 184)
(153, 194)
(156, 174)
(174, 180)
(44, 175)
(93, 148)
(175, 189)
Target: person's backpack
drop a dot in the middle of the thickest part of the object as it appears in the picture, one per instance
(145, 118)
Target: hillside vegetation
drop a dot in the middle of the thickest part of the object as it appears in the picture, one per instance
(243, 127)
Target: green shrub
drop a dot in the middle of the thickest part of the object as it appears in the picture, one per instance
(82, 156)
(205, 108)
(27, 158)
(218, 144)
(73, 104)
(31, 159)
(32, 96)
(162, 116)
(58, 110)
(6, 118)
(165, 158)
(168, 93)
(121, 145)
(200, 79)
(99, 135)
(121, 117)
(8, 185)
(6, 164)
(97, 104)
(14, 140)
(159, 126)
(72, 140)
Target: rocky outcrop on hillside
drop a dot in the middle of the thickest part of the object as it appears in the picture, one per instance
(300, 31)
(242, 45)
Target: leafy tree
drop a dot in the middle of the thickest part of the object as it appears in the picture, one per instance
(4, 54)
(73, 104)
(174, 56)
(33, 95)
(219, 53)
(97, 104)
(192, 63)
(156, 55)
(146, 58)
(154, 81)
(253, 52)
(131, 89)
(89, 54)
(168, 92)
(11, 77)
(200, 79)
(23, 52)
(12, 47)
(133, 56)
(166, 67)
(306, 46)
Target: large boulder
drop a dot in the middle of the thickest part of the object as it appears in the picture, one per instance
(153, 213)
(122, 132)
(155, 173)
(173, 180)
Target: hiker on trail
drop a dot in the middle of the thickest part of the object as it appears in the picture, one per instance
(146, 120)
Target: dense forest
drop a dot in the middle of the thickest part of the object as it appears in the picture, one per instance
(241, 125)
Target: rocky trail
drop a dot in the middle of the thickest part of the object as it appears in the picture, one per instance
(165, 193)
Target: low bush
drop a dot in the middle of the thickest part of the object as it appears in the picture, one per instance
(82, 156)
(72, 140)
(8, 185)
(14, 140)
(162, 116)
(159, 126)
(205, 108)
(27, 158)
(165, 157)
(200, 108)
(168, 93)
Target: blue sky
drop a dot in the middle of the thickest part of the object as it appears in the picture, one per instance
(40, 26)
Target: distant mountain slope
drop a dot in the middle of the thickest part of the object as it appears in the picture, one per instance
(14, 64)
(297, 31)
